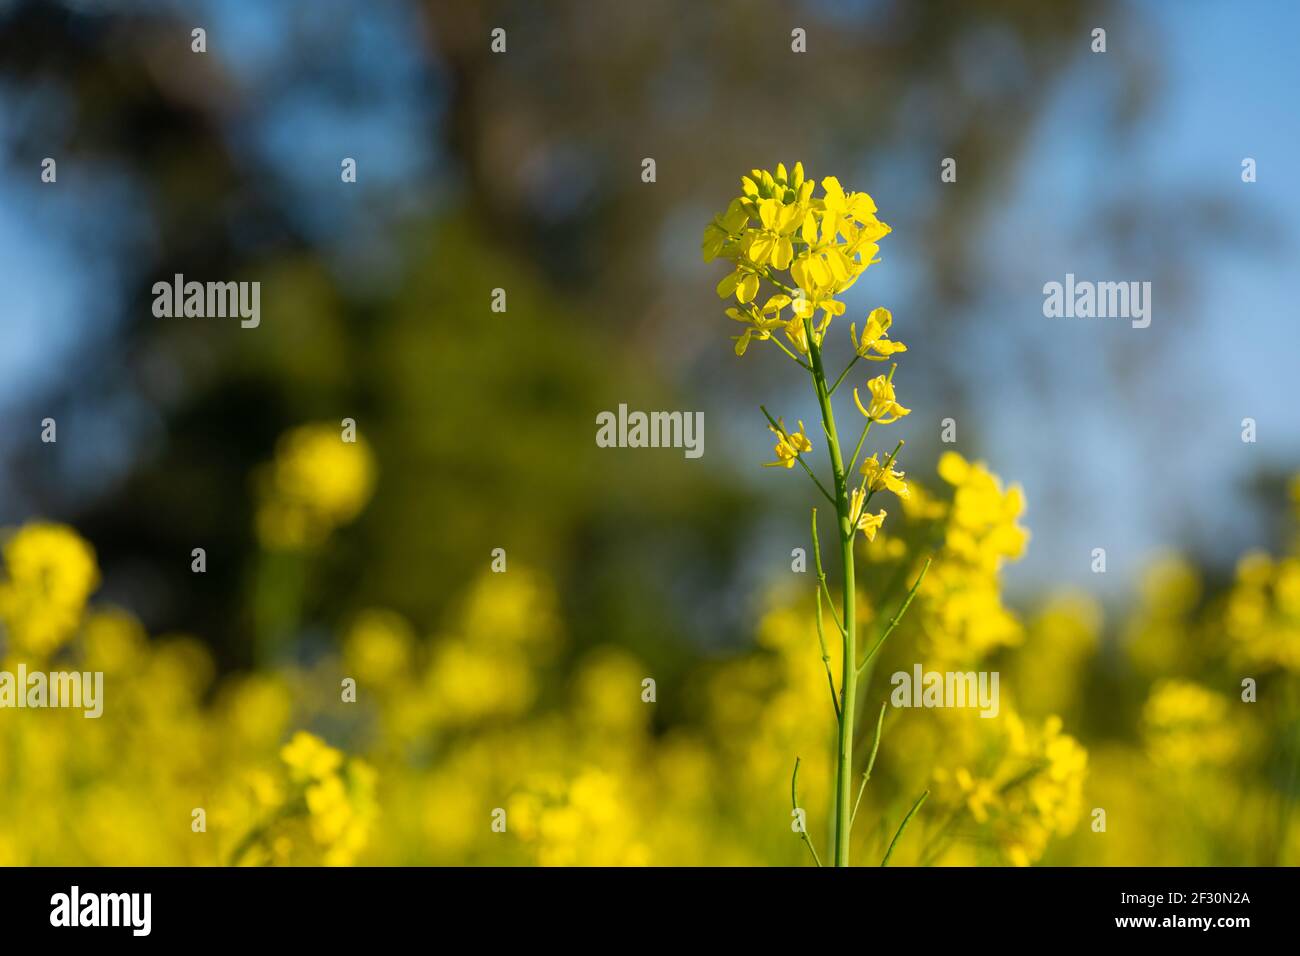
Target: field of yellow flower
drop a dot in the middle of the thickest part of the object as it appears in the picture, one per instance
(481, 740)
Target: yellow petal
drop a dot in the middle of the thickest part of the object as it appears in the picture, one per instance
(748, 288)
(782, 253)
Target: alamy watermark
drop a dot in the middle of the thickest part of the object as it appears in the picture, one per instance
(946, 689)
(60, 689)
(1098, 300)
(74, 908)
(635, 429)
(209, 300)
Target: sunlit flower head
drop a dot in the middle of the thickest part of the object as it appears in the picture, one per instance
(884, 407)
(789, 445)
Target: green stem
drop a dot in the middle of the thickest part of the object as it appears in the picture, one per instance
(849, 678)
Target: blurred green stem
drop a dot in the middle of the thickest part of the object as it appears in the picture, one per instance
(278, 585)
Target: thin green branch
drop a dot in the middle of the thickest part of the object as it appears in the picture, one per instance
(821, 575)
(871, 763)
(853, 463)
(794, 806)
(799, 458)
(898, 616)
(903, 826)
(846, 371)
(826, 657)
(782, 346)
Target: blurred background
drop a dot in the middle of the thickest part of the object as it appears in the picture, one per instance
(522, 170)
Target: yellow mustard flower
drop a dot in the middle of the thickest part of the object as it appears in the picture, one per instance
(789, 445)
(884, 406)
(809, 249)
(772, 242)
(867, 523)
(763, 322)
(875, 337)
(742, 283)
(339, 810)
(723, 229)
(880, 477)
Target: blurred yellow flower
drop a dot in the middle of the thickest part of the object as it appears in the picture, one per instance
(316, 483)
(982, 528)
(310, 758)
(379, 647)
(51, 573)
(1186, 725)
(585, 821)
(1262, 617)
(1024, 787)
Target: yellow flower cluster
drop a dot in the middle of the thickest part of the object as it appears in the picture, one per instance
(777, 225)
(789, 445)
(584, 821)
(982, 528)
(482, 667)
(332, 798)
(161, 777)
(1026, 788)
(1186, 725)
(1201, 779)
(809, 249)
(583, 768)
(1263, 612)
(316, 483)
(962, 600)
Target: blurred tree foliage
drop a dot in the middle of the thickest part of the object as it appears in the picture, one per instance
(482, 423)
